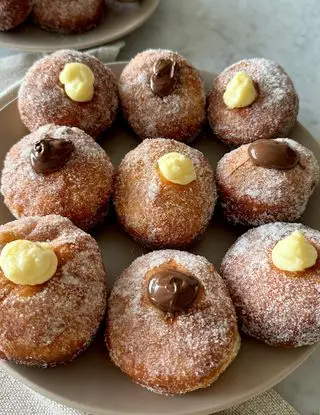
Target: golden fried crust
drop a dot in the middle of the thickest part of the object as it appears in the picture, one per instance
(80, 190)
(253, 195)
(278, 307)
(51, 323)
(42, 99)
(156, 212)
(179, 116)
(13, 12)
(178, 354)
(72, 16)
(271, 115)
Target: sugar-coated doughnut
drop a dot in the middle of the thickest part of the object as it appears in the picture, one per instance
(281, 308)
(253, 194)
(162, 95)
(43, 176)
(13, 13)
(155, 211)
(43, 100)
(68, 16)
(271, 115)
(51, 323)
(171, 352)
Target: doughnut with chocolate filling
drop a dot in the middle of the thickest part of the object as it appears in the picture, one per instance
(171, 325)
(58, 170)
(266, 181)
(162, 95)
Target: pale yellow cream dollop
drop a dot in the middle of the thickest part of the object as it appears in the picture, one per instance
(78, 80)
(177, 168)
(294, 253)
(240, 91)
(28, 263)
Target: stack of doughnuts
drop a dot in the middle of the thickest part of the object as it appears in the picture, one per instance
(172, 321)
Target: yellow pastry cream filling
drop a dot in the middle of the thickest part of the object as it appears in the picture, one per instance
(78, 80)
(177, 168)
(240, 91)
(294, 253)
(28, 263)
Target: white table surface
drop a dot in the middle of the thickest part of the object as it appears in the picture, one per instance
(212, 34)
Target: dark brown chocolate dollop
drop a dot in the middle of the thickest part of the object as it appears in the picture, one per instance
(165, 77)
(273, 154)
(50, 154)
(172, 291)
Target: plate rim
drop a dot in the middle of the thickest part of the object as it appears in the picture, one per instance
(241, 399)
(262, 387)
(87, 43)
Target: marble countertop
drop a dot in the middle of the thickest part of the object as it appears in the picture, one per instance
(212, 34)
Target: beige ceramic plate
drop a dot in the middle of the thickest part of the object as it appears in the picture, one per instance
(91, 383)
(120, 20)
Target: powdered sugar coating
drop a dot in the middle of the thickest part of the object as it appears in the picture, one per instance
(71, 16)
(156, 212)
(281, 308)
(271, 115)
(80, 190)
(253, 195)
(13, 12)
(179, 115)
(51, 323)
(42, 99)
(177, 355)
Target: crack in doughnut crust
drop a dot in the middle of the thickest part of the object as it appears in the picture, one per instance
(273, 114)
(80, 190)
(42, 99)
(13, 13)
(158, 213)
(179, 116)
(51, 323)
(252, 195)
(278, 307)
(171, 355)
(71, 16)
